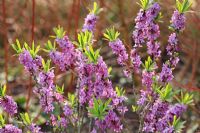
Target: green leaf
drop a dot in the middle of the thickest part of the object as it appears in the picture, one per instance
(60, 89)
(96, 9)
(99, 109)
(17, 47)
(2, 121)
(2, 90)
(46, 65)
(72, 99)
(178, 124)
(184, 6)
(84, 40)
(120, 91)
(149, 65)
(144, 4)
(186, 98)
(135, 108)
(25, 118)
(166, 93)
(59, 31)
(111, 34)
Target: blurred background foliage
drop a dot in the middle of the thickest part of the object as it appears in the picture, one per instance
(30, 20)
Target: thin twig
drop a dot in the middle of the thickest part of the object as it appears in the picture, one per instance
(32, 39)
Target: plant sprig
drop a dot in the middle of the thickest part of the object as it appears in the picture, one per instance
(120, 91)
(183, 6)
(177, 124)
(59, 31)
(149, 65)
(46, 65)
(99, 109)
(49, 46)
(60, 89)
(2, 90)
(2, 121)
(17, 47)
(84, 40)
(96, 9)
(72, 99)
(144, 4)
(92, 55)
(111, 34)
(186, 98)
(25, 118)
(166, 93)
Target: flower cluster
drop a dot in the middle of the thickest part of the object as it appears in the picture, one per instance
(166, 74)
(34, 128)
(45, 90)
(178, 21)
(95, 98)
(8, 105)
(67, 57)
(119, 49)
(10, 129)
(90, 22)
(31, 64)
(158, 113)
(136, 60)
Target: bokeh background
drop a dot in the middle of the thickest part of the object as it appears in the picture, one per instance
(30, 20)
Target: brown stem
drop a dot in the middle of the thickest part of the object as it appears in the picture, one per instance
(32, 39)
(5, 42)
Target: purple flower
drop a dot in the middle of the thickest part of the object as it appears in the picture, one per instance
(46, 79)
(153, 48)
(63, 122)
(156, 112)
(143, 97)
(173, 39)
(119, 49)
(153, 11)
(31, 64)
(34, 128)
(166, 74)
(59, 97)
(94, 130)
(66, 59)
(147, 79)
(171, 111)
(136, 60)
(53, 120)
(46, 90)
(173, 61)
(178, 21)
(141, 19)
(8, 105)
(172, 46)
(168, 130)
(176, 109)
(101, 69)
(111, 121)
(152, 31)
(67, 110)
(10, 129)
(139, 32)
(26, 59)
(90, 22)
(172, 49)
(65, 44)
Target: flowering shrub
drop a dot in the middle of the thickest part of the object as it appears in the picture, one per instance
(96, 102)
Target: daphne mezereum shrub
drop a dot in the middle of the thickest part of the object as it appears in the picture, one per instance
(96, 104)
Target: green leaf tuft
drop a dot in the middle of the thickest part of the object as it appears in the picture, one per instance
(111, 34)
